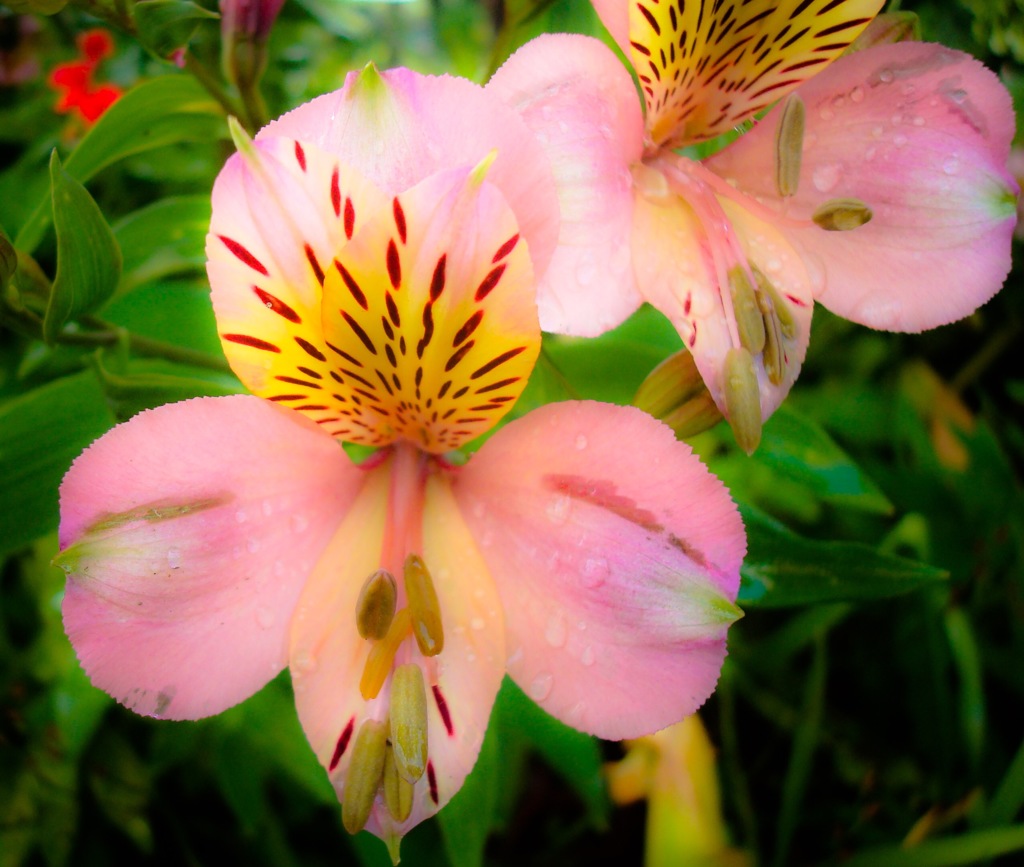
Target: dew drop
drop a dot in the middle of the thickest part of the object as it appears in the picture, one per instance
(558, 509)
(826, 113)
(267, 508)
(839, 101)
(470, 657)
(305, 662)
(869, 154)
(885, 76)
(950, 167)
(300, 523)
(479, 509)
(174, 558)
(857, 94)
(478, 593)
(595, 570)
(477, 623)
(540, 687)
(918, 121)
(264, 618)
(826, 177)
(899, 140)
(240, 516)
(587, 657)
(252, 546)
(581, 442)
(555, 631)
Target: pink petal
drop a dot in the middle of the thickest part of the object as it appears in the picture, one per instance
(672, 255)
(582, 105)
(187, 534)
(280, 215)
(397, 127)
(919, 133)
(614, 14)
(616, 554)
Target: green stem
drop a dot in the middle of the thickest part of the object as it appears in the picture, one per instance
(106, 334)
(255, 107)
(212, 86)
(996, 345)
(967, 849)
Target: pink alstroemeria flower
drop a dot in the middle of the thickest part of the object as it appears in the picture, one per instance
(365, 292)
(877, 185)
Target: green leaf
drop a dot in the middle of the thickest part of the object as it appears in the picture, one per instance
(164, 26)
(783, 569)
(8, 259)
(36, 7)
(147, 384)
(967, 849)
(166, 237)
(466, 822)
(800, 449)
(88, 258)
(40, 434)
(156, 113)
(575, 755)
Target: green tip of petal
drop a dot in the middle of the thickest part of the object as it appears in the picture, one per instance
(479, 173)
(369, 81)
(243, 143)
(393, 842)
(721, 610)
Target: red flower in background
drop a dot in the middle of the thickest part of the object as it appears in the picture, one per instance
(73, 81)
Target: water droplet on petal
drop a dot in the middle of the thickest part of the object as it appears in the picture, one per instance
(540, 687)
(885, 75)
(826, 177)
(252, 546)
(555, 630)
(240, 516)
(581, 442)
(951, 166)
(264, 618)
(857, 94)
(899, 140)
(300, 523)
(587, 657)
(267, 507)
(477, 623)
(174, 558)
(479, 509)
(305, 662)
(558, 509)
(918, 121)
(595, 570)
(826, 113)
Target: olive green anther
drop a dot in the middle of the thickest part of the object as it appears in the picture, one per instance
(742, 398)
(365, 770)
(375, 608)
(789, 146)
(409, 721)
(842, 215)
(424, 607)
(749, 322)
(398, 791)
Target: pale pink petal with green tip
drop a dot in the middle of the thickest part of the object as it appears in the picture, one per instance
(581, 104)
(397, 127)
(920, 134)
(616, 554)
(187, 534)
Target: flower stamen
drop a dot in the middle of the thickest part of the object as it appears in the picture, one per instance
(382, 655)
(364, 775)
(398, 791)
(409, 721)
(426, 610)
(789, 146)
(375, 608)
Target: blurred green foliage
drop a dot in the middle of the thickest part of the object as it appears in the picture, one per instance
(869, 712)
